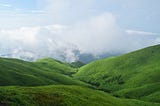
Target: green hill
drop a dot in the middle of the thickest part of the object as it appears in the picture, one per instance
(62, 95)
(133, 75)
(18, 72)
(77, 64)
(58, 66)
(132, 80)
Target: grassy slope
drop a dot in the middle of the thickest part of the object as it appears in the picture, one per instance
(77, 64)
(62, 95)
(52, 64)
(134, 75)
(18, 72)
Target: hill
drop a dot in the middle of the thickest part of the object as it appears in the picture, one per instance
(46, 72)
(132, 80)
(56, 65)
(77, 64)
(62, 95)
(134, 75)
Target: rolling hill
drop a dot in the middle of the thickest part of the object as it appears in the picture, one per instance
(134, 75)
(129, 80)
(43, 72)
(55, 65)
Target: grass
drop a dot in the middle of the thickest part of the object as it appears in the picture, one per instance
(58, 66)
(62, 95)
(18, 72)
(146, 92)
(135, 75)
(129, 80)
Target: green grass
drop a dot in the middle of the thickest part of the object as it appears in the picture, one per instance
(135, 75)
(132, 80)
(18, 72)
(58, 66)
(62, 95)
(147, 92)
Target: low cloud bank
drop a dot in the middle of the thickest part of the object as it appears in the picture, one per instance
(96, 35)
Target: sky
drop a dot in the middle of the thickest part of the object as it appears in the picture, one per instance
(58, 28)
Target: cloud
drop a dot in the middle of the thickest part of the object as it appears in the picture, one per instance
(135, 32)
(6, 5)
(64, 29)
(31, 43)
(68, 11)
(96, 35)
(101, 34)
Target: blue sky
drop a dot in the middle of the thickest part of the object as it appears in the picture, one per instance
(28, 28)
(131, 14)
(18, 4)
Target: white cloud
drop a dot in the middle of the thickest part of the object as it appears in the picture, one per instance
(68, 11)
(96, 35)
(64, 27)
(135, 32)
(6, 5)
(36, 42)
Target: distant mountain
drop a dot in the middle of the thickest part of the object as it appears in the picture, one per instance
(77, 64)
(87, 57)
(133, 75)
(61, 55)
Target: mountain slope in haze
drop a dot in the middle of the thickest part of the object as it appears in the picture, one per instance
(62, 95)
(134, 75)
(18, 72)
(77, 64)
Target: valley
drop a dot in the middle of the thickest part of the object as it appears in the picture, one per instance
(132, 79)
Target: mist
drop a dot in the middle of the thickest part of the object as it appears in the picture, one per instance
(96, 35)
